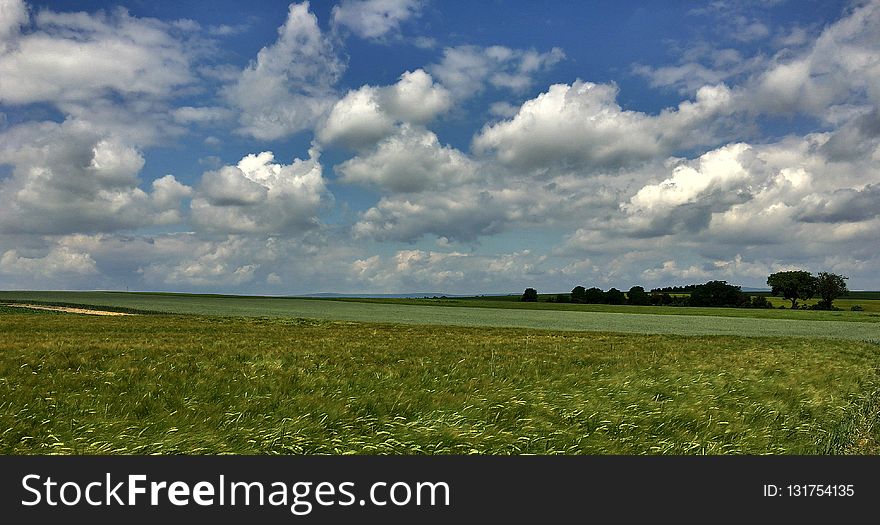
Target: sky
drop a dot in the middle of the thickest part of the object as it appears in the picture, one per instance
(408, 146)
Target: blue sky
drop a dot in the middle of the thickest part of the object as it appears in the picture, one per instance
(391, 146)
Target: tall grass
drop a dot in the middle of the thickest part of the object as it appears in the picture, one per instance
(206, 385)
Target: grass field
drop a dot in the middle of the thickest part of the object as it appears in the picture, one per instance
(199, 385)
(645, 320)
(870, 306)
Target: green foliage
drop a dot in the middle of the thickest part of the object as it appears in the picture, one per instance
(857, 308)
(792, 285)
(759, 301)
(615, 296)
(595, 296)
(637, 296)
(578, 294)
(530, 296)
(211, 385)
(830, 286)
(717, 293)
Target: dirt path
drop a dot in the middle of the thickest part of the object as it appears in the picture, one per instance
(66, 309)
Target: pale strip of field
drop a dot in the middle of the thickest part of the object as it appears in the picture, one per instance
(65, 309)
(463, 316)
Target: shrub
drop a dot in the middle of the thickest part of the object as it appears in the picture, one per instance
(759, 301)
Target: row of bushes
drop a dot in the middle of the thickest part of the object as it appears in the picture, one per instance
(712, 293)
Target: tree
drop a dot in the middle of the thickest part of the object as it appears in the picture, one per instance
(595, 296)
(792, 285)
(637, 295)
(615, 296)
(717, 293)
(830, 286)
(577, 294)
(530, 296)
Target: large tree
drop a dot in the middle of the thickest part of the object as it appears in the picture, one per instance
(529, 296)
(830, 286)
(792, 285)
(595, 296)
(577, 294)
(615, 296)
(638, 296)
(717, 293)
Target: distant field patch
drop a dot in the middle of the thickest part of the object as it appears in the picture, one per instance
(64, 309)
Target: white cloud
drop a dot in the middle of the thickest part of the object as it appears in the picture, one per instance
(375, 19)
(412, 160)
(13, 15)
(466, 70)
(366, 115)
(67, 178)
(716, 181)
(59, 261)
(201, 115)
(260, 196)
(582, 126)
(841, 67)
(79, 57)
(290, 84)
(452, 272)
(461, 213)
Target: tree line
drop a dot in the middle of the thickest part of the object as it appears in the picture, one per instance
(791, 285)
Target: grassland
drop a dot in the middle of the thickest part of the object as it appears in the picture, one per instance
(644, 320)
(196, 384)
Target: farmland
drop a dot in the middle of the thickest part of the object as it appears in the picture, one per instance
(291, 376)
(624, 319)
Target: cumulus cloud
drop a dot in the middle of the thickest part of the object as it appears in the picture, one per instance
(375, 19)
(843, 205)
(13, 15)
(841, 67)
(79, 57)
(59, 261)
(290, 84)
(716, 181)
(366, 115)
(466, 70)
(67, 178)
(412, 160)
(582, 126)
(201, 115)
(466, 212)
(453, 272)
(260, 196)
(211, 264)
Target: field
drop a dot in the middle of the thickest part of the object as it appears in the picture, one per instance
(256, 376)
(623, 319)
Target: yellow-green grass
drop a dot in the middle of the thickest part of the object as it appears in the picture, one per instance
(204, 385)
(855, 325)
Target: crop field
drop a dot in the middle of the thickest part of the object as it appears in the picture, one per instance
(262, 379)
(624, 319)
(190, 384)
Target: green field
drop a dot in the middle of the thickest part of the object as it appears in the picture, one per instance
(624, 319)
(280, 376)
(199, 385)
